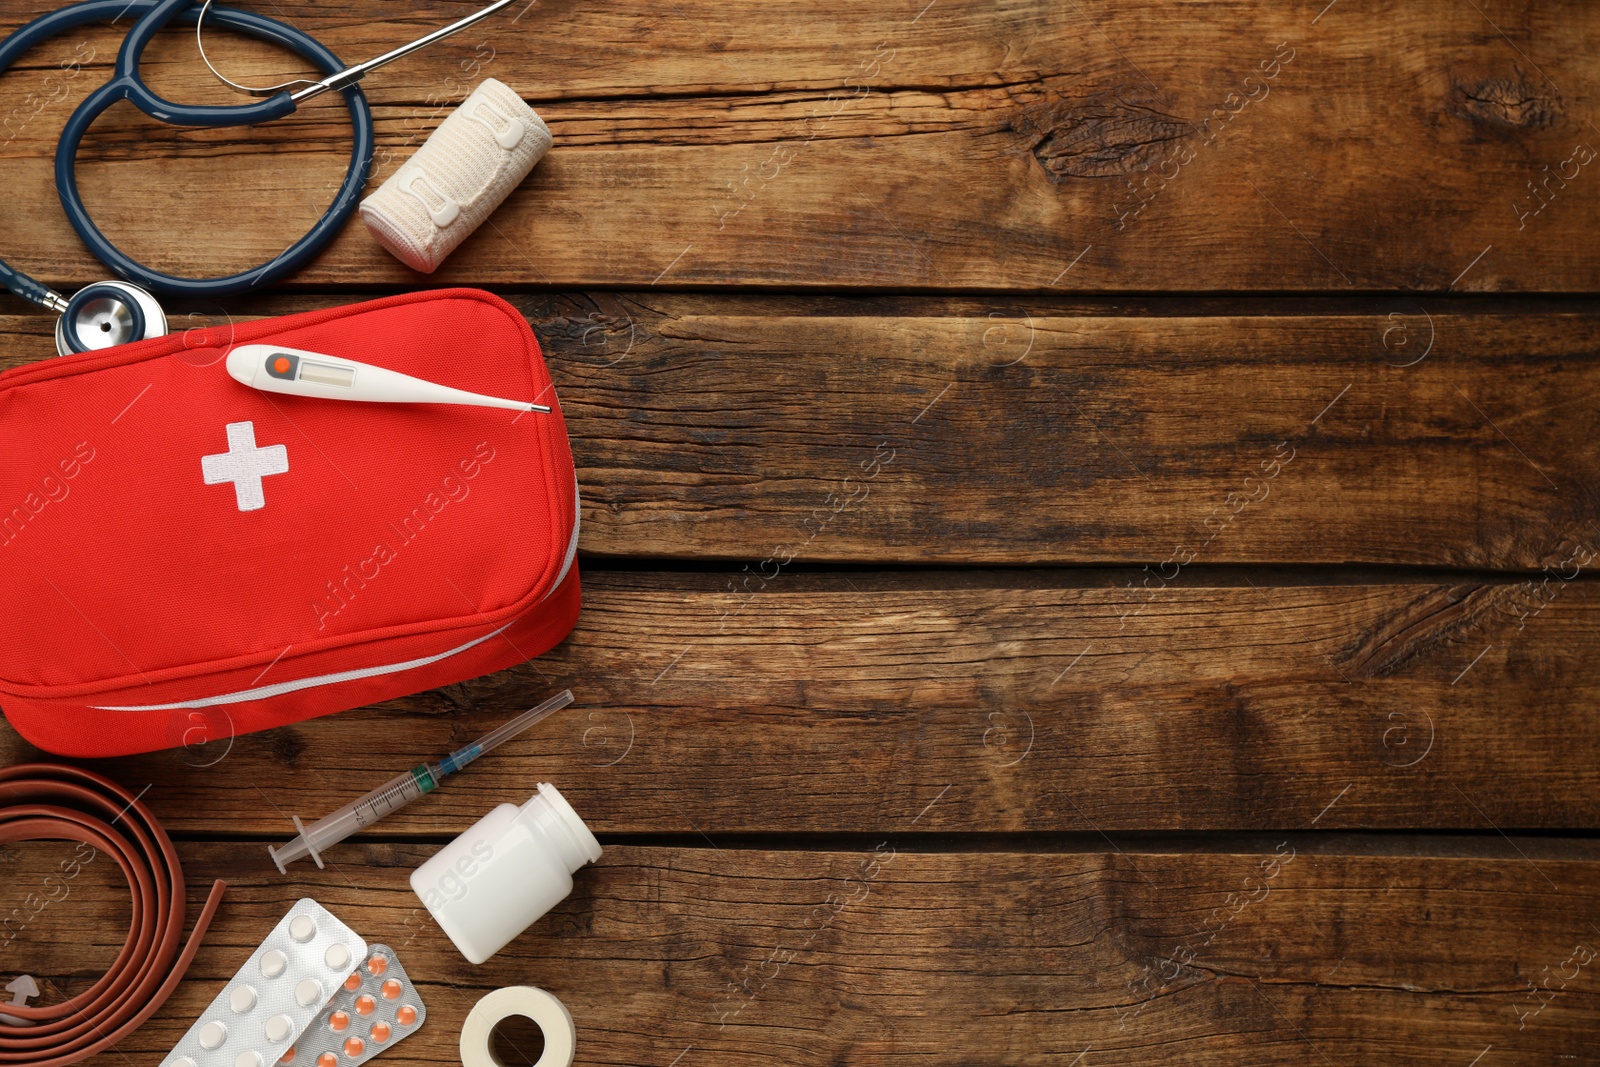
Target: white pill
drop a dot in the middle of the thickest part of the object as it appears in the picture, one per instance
(242, 999)
(337, 957)
(303, 928)
(278, 1028)
(213, 1034)
(309, 993)
(247, 1058)
(273, 962)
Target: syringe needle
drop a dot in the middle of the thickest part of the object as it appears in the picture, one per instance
(505, 732)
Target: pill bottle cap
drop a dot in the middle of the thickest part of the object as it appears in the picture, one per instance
(549, 815)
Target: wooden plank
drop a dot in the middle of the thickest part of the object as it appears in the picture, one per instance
(1286, 952)
(779, 432)
(831, 704)
(1024, 145)
(1015, 437)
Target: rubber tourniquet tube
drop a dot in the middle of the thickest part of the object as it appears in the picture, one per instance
(51, 802)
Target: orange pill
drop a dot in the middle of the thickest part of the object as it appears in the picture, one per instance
(353, 983)
(407, 1015)
(353, 1046)
(287, 1057)
(391, 989)
(378, 964)
(338, 1021)
(365, 1004)
(380, 1032)
(327, 1059)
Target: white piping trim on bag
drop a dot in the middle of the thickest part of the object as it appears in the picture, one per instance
(266, 691)
(572, 545)
(280, 688)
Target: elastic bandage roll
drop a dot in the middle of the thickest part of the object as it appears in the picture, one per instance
(462, 172)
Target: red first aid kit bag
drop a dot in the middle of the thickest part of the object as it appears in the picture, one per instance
(185, 558)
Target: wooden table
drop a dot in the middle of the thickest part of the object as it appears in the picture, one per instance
(1089, 525)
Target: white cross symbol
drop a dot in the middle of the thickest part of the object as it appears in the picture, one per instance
(245, 465)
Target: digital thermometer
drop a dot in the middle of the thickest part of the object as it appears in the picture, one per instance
(274, 369)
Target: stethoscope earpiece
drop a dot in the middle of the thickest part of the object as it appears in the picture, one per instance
(107, 314)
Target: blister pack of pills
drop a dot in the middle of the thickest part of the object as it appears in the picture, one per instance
(281, 988)
(375, 1007)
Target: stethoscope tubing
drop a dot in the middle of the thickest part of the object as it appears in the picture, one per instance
(126, 84)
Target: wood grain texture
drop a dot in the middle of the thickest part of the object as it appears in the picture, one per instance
(840, 704)
(775, 431)
(1246, 712)
(1285, 952)
(1018, 435)
(1023, 145)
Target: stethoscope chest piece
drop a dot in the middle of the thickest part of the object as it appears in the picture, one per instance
(107, 314)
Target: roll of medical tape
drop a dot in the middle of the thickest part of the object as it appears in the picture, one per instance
(560, 1035)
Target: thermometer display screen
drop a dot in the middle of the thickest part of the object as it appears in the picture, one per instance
(327, 374)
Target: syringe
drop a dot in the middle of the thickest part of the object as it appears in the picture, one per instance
(401, 790)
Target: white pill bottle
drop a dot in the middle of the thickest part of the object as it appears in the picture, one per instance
(503, 874)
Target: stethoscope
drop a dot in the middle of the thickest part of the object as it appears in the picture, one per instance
(121, 311)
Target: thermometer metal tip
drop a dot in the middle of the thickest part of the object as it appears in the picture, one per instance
(295, 372)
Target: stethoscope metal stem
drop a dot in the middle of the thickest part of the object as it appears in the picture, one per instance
(351, 75)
